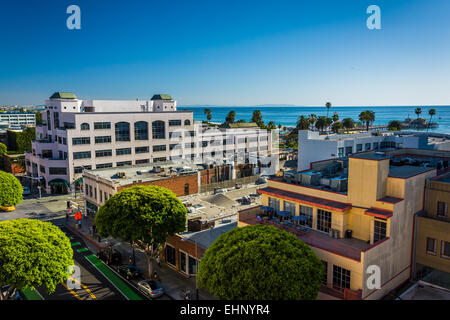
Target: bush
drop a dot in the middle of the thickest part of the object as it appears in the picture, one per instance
(11, 191)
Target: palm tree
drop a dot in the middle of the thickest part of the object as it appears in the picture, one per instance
(256, 116)
(230, 117)
(418, 111)
(367, 117)
(328, 122)
(279, 126)
(394, 125)
(335, 117)
(303, 123)
(321, 123)
(336, 126)
(348, 123)
(431, 112)
(271, 125)
(328, 105)
(312, 120)
(208, 114)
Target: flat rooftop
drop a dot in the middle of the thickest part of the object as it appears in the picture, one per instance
(407, 171)
(426, 291)
(205, 238)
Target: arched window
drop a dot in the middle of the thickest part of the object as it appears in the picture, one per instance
(141, 130)
(186, 189)
(187, 122)
(158, 130)
(122, 131)
(85, 126)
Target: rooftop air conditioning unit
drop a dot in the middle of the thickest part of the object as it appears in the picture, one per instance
(121, 174)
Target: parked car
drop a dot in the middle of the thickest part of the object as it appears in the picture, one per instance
(16, 296)
(110, 255)
(150, 288)
(26, 191)
(219, 190)
(7, 208)
(261, 180)
(129, 271)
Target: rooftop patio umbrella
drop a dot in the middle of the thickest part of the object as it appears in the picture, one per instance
(284, 213)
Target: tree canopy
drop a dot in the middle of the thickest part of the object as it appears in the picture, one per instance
(230, 117)
(208, 114)
(260, 263)
(33, 253)
(144, 215)
(394, 125)
(11, 190)
(3, 149)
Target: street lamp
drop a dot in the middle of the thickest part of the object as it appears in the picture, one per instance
(196, 266)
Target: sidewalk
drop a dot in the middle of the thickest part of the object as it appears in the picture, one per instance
(172, 281)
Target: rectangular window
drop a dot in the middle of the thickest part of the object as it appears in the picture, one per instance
(103, 165)
(103, 153)
(445, 249)
(348, 150)
(122, 151)
(174, 123)
(159, 148)
(241, 140)
(192, 265)
(323, 220)
(431, 246)
(69, 125)
(103, 139)
(85, 140)
(341, 278)
(189, 133)
(325, 274)
(90, 191)
(204, 144)
(64, 140)
(124, 163)
(340, 152)
(61, 171)
(87, 190)
(375, 145)
(379, 230)
(183, 261)
(95, 193)
(142, 161)
(359, 147)
(42, 169)
(179, 157)
(289, 206)
(174, 146)
(82, 155)
(274, 203)
(77, 169)
(100, 194)
(442, 209)
(162, 159)
(102, 125)
(141, 150)
(367, 146)
(176, 134)
(189, 145)
(171, 255)
(308, 213)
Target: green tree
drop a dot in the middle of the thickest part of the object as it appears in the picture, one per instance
(257, 118)
(144, 216)
(3, 149)
(367, 117)
(11, 191)
(230, 117)
(418, 111)
(394, 125)
(21, 141)
(302, 123)
(328, 106)
(208, 114)
(312, 120)
(33, 253)
(260, 263)
(38, 115)
(431, 112)
(348, 124)
(271, 125)
(336, 127)
(321, 123)
(335, 117)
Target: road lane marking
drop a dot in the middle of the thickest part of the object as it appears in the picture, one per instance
(84, 287)
(71, 291)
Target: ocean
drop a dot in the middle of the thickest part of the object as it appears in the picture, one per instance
(288, 115)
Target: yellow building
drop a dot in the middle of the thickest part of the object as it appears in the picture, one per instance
(356, 214)
(433, 233)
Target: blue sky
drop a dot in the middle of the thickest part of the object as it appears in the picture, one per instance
(228, 52)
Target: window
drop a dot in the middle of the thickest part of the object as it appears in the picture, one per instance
(158, 130)
(84, 126)
(141, 150)
(61, 171)
(341, 278)
(162, 159)
(241, 140)
(69, 125)
(123, 163)
(103, 139)
(183, 261)
(142, 161)
(64, 140)
(274, 203)
(87, 190)
(189, 133)
(174, 123)
(159, 148)
(431, 246)
(187, 122)
(359, 147)
(77, 141)
(348, 150)
(170, 255)
(323, 220)
(82, 155)
(78, 169)
(95, 193)
(379, 230)
(100, 193)
(325, 274)
(289, 206)
(192, 265)
(186, 189)
(175, 134)
(174, 146)
(102, 125)
(204, 144)
(141, 130)
(122, 151)
(445, 249)
(442, 209)
(340, 152)
(42, 169)
(103, 165)
(103, 153)
(122, 131)
(375, 145)
(308, 213)
(189, 145)
(367, 146)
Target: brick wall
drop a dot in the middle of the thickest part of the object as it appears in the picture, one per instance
(208, 176)
(176, 184)
(186, 246)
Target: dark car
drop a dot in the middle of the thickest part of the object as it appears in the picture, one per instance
(129, 272)
(110, 255)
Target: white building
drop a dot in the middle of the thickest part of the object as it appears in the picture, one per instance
(8, 119)
(315, 147)
(94, 134)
